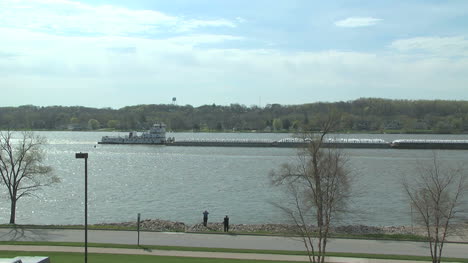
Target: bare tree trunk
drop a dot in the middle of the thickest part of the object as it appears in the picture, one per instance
(13, 211)
(320, 185)
(437, 192)
(22, 169)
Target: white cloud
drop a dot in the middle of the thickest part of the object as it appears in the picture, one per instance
(145, 70)
(357, 22)
(195, 40)
(64, 45)
(442, 46)
(241, 19)
(192, 24)
(45, 54)
(70, 17)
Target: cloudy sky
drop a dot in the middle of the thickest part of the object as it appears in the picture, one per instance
(117, 53)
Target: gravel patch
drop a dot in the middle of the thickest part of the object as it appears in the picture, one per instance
(171, 226)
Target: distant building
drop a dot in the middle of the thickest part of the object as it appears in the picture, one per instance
(393, 125)
(361, 125)
(420, 125)
(465, 125)
(75, 127)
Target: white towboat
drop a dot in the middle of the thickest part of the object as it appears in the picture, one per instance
(156, 135)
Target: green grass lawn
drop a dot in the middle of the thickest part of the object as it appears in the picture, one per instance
(59, 257)
(203, 249)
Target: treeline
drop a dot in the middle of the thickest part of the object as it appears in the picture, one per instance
(361, 115)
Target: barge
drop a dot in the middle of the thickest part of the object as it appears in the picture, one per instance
(430, 144)
(284, 143)
(331, 143)
(157, 136)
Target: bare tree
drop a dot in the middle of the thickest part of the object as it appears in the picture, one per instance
(436, 193)
(319, 184)
(22, 168)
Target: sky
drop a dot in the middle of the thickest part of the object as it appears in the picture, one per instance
(118, 53)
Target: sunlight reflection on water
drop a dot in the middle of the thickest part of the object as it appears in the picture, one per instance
(178, 183)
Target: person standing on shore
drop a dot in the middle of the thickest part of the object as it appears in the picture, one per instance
(205, 218)
(226, 224)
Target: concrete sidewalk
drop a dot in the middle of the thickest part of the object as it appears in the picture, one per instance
(194, 254)
(389, 247)
(228, 241)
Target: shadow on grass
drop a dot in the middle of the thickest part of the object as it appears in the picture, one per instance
(147, 249)
(23, 233)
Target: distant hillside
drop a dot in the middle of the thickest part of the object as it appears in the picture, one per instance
(361, 115)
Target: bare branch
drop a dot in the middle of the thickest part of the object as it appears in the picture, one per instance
(22, 168)
(319, 186)
(436, 193)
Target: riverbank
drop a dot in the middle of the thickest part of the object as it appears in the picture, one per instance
(170, 226)
(274, 229)
(338, 132)
(158, 225)
(351, 231)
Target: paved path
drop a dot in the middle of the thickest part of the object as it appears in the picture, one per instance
(227, 241)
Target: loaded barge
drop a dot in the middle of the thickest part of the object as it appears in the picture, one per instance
(283, 143)
(157, 136)
(430, 144)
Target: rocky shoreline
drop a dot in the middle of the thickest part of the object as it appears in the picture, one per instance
(170, 226)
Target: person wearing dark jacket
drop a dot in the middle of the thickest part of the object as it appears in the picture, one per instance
(226, 224)
(205, 218)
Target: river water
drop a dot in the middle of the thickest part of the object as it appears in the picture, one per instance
(179, 183)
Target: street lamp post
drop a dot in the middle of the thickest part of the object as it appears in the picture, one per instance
(81, 155)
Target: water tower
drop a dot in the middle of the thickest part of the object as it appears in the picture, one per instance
(174, 100)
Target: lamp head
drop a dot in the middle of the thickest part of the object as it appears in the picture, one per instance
(81, 155)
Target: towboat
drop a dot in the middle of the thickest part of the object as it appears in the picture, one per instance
(156, 135)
